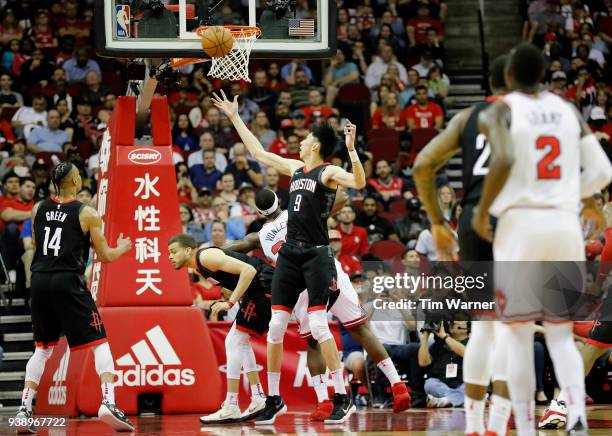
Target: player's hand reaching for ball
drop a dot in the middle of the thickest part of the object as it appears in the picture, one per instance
(445, 242)
(229, 108)
(350, 132)
(124, 244)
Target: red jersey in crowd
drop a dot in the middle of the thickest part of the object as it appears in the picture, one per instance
(17, 204)
(420, 28)
(395, 186)
(424, 117)
(354, 243)
(350, 264)
(318, 115)
(392, 121)
(207, 294)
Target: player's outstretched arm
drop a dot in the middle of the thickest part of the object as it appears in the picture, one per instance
(215, 259)
(334, 176)
(92, 223)
(244, 245)
(281, 164)
(494, 122)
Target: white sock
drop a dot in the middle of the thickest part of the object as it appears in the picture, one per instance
(257, 391)
(561, 396)
(231, 398)
(108, 392)
(27, 397)
(388, 368)
(320, 386)
(474, 416)
(338, 379)
(273, 383)
(499, 414)
(569, 369)
(524, 417)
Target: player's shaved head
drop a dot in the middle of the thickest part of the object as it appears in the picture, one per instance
(65, 174)
(498, 67)
(525, 68)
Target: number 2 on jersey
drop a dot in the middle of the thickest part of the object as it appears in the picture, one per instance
(547, 169)
(480, 168)
(298, 202)
(54, 243)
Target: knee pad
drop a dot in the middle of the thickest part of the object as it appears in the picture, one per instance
(233, 352)
(36, 365)
(278, 326)
(103, 359)
(319, 328)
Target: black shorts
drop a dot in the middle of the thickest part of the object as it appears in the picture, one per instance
(600, 334)
(61, 303)
(255, 312)
(303, 266)
(471, 246)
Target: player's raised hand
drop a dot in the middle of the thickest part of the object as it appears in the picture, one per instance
(229, 108)
(445, 242)
(124, 244)
(350, 132)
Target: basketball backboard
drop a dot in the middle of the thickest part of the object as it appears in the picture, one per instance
(167, 28)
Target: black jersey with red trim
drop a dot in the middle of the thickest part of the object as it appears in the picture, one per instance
(225, 279)
(61, 244)
(310, 204)
(475, 152)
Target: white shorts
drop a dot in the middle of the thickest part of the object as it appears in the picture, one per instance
(528, 244)
(347, 308)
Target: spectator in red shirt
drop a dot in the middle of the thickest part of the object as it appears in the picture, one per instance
(14, 212)
(205, 293)
(290, 150)
(71, 25)
(350, 264)
(315, 111)
(354, 238)
(417, 27)
(184, 96)
(423, 113)
(385, 187)
(390, 115)
(583, 90)
(42, 32)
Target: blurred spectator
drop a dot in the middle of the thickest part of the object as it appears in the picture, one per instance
(378, 228)
(28, 250)
(438, 83)
(244, 170)
(207, 142)
(390, 114)
(42, 31)
(50, 137)
(299, 123)
(338, 73)
(17, 162)
(200, 83)
(380, 66)
(212, 124)
(300, 90)
(290, 70)
(184, 97)
(26, 47)
(411, 262)
(315, 112)
(271, 178)
(183, 135)
(37, 70)
(93, 91)
(275, 81)
(109, 101)
(260, 92)
(6, 132)
(86, 127)
(218, 233)
(247, 108)
(227, 186)
(444, 362)
(261, 129)
(204, 292)
(354, 238)
(417, 27)
(446, 201)
(26, 118)
(206, 175)
(197, 114)
(410, 225)
(9, 27)
(592, 52)
(233, 229)
(85, 196)
(8, 97)
(244, 209)
(583, 90)
(14, 212)
(433, 45)
(9, 55)
(379, 97)
(547, 21)
(10, 188)
(187, 193)
(425, 65)
(66, 122)
(424, 114)
(349, 262)
(385, 188)
(189, 226)
(77, 68)
(203, 211)
(73, 25)
(558, 83)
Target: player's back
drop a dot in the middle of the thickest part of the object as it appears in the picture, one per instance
(545, 135)
(273, 235)
(61, 244)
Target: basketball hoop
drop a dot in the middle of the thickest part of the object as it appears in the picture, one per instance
(235, 64)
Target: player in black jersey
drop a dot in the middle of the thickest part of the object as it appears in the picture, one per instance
(306, 260)
(249, 278)
(462, 133)
(62, 230)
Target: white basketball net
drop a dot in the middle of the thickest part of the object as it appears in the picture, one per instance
(235, 64)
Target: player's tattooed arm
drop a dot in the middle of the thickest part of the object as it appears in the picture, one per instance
(494, 122)
(230, 109)
(92, 223)
(244, 245)
(334, 176)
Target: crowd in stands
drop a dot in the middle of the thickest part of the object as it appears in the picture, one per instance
(56, 98)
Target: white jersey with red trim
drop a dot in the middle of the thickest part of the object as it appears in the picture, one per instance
(545, 133)
(273, 235)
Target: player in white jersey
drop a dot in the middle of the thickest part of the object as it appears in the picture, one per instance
(539, 144)
(343, 304)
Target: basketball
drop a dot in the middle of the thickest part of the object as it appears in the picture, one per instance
(217, 41)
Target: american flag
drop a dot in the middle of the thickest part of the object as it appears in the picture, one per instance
(301, 27)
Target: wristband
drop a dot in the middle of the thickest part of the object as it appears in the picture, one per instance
(354, 156)
(230, 303)
(446, 337)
